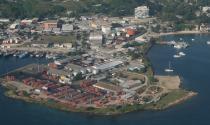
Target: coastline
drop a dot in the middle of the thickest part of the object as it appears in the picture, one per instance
(105, 111)
(108, 110)
(178, 33)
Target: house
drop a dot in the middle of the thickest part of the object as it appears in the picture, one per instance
(49, 25)
(141, 12)
(67, 28)
(2, 20)
(96, 36)
(26, 22)
(14, 26)
(63, 45)
(205, 9)
(106, 29)
(12, 40)
(56, 30)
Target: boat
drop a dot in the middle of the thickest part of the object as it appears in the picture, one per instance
(193, 39)
(169, 68)
(208, 42)
(31, 55)
(49, 56)
(22, 55)
(16, 54)
(182, 54)
(180, 45)
(177, 56)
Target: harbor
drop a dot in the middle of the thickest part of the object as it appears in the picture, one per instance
(32, 54)
(160, 61)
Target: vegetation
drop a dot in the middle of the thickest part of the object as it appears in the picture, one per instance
(170, 98)
(70, 38)
(185, 11)
(133, 44)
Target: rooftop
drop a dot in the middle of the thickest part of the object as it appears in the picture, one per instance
(107, 87)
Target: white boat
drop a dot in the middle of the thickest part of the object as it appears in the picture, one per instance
(177, 56)
(177, 46)
(169, 68)
(180, 45)
(182, 54)
(208, 42)
(193, 39)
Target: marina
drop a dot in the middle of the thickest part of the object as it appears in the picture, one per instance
(23, 54)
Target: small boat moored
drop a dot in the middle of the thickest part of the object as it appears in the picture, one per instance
(169, 69)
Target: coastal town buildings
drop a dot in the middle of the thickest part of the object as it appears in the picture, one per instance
(49, 25)
(141, 12)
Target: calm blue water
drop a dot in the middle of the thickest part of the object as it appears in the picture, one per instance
(194, 70)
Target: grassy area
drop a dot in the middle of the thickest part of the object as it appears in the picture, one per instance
(70, 38)
(168, 98)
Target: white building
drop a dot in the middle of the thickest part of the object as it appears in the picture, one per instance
(67, 28)
(13, 26)
(205, 9)
(2, 20)
(141, 12)
(106, 29)
(96, 36)
(26, 22)
(105, 66)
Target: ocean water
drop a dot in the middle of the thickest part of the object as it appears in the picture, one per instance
(194, 70)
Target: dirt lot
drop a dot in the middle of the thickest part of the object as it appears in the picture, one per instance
(169, 82)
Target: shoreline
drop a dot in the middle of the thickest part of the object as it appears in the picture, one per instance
(105, 111)
(178, 33)
(189, 95)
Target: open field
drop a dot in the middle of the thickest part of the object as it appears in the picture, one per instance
(169, 82)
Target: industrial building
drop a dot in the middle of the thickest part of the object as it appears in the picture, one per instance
(105, 66)
(108, 87)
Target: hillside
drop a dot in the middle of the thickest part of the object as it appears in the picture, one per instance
(167, 10)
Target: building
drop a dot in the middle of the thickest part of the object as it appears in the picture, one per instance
(67, 28)
(96, 36)
(49, 25)
(2, 20)
(13, 26)
(12, 40)
(106, 29)
(106, 66)
(108, 87)
(56, 30)
(206, 9)
(141, 12)
(26, 22)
